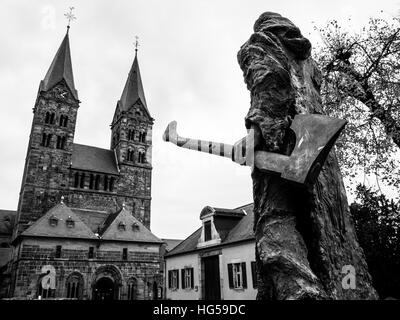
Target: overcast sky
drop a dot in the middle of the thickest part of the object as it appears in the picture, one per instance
(187, 57)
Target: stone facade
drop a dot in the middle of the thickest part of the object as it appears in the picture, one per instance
(141, 268)
(82, 226)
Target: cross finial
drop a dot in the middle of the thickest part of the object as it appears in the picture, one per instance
(136, 44)
(62, 199)
(123, 205)
(70, 17)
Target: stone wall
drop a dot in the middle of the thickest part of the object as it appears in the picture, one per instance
(46, 172)
(143, 263)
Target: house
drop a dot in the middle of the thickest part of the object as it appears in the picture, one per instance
(217, 261)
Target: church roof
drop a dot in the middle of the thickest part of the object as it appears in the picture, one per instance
(92, 218)
(93, 159)
(133, 90)
(90, 224)
(240, 231)
(60, 229)
(60, 69)
(123, 226)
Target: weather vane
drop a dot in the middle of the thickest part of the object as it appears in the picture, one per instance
(136, 43)
(70, 17)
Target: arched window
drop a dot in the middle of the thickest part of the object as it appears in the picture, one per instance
(91, 181)
(111, 185)
(74, 286)
(131, 134)
(48, 140)
(132, 289)
(82, 184)
(149, 291)
(97, 182)
(61, 142)
(142, 137)
(76, 180)
(130, 155)
(63, 120)
(105, 183)
(63, 139)
(44, 138)
(52, 117)
(142, 158)
(47, 118)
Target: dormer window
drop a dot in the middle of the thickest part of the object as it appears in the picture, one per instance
(207, 231)
(121, 226)
(53, 221)
(135, 226)
(70, 222)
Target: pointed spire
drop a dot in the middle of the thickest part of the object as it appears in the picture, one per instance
(60, 69)
(133, 90)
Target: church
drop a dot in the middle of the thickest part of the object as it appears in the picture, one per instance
(82, 226)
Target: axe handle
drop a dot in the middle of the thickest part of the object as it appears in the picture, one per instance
(216, 148)
(236, 153)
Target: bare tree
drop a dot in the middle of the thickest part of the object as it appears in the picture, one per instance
(361, 83)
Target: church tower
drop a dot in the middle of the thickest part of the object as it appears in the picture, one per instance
(131, 140)
(46, 173)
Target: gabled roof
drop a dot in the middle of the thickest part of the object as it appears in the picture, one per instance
(43, 228)
(94, 219)
(60, 69)
(133, 90)
(93, 159)
(221, 212)
(187, 245)
(171, 243)
(7, 218)
(241, 230)
(134, 230)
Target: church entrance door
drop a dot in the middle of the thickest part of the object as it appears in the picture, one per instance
(104, 289)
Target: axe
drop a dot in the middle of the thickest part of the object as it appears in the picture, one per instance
(315, 136)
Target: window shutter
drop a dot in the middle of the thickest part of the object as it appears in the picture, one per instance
(191, 278)
(177, 279)
(169, 279)
(254, 274)
(183, 278)
(244, 275)
(230, 275)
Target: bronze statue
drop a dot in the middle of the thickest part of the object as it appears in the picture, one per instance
(304, 233)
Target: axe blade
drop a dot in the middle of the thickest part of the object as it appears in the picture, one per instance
(315, 136)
